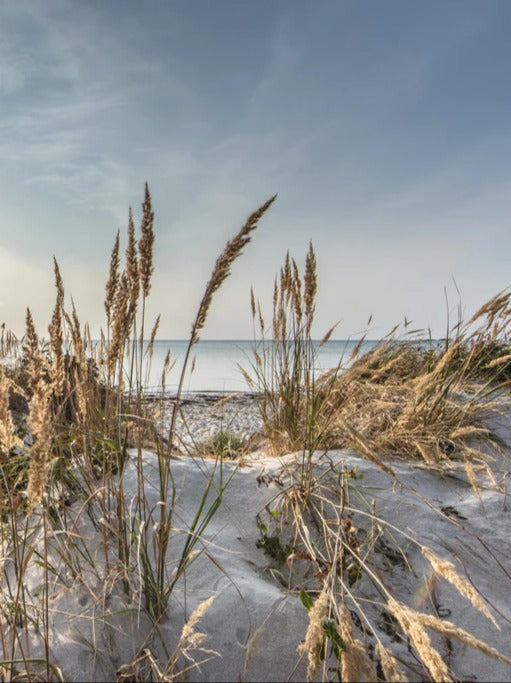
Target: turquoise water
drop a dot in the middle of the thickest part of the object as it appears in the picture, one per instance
(216, 362)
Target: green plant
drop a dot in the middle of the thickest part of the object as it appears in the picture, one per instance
(223, 444)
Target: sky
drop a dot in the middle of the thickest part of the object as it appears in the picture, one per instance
(385, 129)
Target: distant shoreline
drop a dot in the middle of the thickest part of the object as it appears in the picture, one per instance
(199, 395)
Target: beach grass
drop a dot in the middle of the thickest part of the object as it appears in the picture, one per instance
(71, 409)
(74, 424)
(428, 401)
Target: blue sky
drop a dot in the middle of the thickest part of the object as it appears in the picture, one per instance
(384, 127)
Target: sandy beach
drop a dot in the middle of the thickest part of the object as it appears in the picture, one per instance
(257, 620)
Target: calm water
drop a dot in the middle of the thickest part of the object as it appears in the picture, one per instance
(216, 362)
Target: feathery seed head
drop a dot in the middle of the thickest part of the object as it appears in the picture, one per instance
(448, 571)
(222, 268)
(113, 279)
(314, 635)
(40, 425)
(412, 626)
(389, 665)
(447, 628)
(356, 664)
(150, 346)
(252, 302)
(8, 437)
(310, 283)
(146, 243)
(121, 321)
(132, 269)
(56, 335)
(31, 340)
(296, 293)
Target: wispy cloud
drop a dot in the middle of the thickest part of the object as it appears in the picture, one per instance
(383, 128)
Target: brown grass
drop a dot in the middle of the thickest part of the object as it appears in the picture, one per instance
(446, 569)
(40, 424)
(389, 665)
(355, 662)
(283, 370)
(132, 273)
(401, 398)
(8, 437)
(113, 280)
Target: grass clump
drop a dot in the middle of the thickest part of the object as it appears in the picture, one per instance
(293, 412)
(404, 397)
(224, 444)
(76, 507)
(397, 400)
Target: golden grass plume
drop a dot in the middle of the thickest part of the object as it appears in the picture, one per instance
(232, 250)
(314, 636)
(448, 571)
(356, 664)
(414, 629)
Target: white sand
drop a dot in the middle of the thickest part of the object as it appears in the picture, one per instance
(253, 614)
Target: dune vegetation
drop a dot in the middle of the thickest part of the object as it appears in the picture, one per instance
(80, 516)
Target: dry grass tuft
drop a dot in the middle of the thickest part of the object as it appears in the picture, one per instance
(401, 398)
(284, 367)
(404, 400)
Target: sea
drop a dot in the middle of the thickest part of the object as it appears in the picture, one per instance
(216, 362)
(214, 365)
